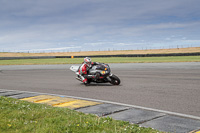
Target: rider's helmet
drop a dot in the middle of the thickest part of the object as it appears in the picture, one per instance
(87, 61)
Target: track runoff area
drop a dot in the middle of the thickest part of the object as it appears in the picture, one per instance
(145, 117)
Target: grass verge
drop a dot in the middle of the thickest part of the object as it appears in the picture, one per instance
(21, 116)
(105, 60)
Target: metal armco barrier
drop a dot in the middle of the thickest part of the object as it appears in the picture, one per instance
(27, 57)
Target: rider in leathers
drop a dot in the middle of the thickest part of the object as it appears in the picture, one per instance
(83, 70)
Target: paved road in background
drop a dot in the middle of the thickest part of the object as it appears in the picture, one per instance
(172, 87)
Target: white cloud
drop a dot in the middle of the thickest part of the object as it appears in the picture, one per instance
(47, 24)
(51, 49)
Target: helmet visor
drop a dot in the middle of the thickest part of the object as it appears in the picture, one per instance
(88, 64)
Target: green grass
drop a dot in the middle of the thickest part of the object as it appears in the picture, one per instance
(24, 117)
(105, 60)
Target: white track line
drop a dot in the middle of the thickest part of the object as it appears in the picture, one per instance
(134, 106)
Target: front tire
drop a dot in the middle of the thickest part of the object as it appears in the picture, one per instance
(115, 80)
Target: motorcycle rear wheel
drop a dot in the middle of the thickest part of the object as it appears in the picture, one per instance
(88, 82)
(115, 80)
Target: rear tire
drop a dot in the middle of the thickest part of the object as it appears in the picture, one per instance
(88, 82)
(115, 80)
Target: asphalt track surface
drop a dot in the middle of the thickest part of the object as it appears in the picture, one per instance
(171, 87)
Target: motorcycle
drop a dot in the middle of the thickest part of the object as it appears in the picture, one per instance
(102, 74)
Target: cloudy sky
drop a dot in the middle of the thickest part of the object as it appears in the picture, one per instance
(88, 25)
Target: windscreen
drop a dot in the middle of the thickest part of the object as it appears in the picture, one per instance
(100, 67)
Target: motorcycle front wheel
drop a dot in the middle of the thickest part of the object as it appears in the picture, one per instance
(115, 80)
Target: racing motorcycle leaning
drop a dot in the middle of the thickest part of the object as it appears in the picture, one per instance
(102, 74)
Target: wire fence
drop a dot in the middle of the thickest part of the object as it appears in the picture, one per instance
(100, 49)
